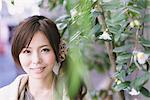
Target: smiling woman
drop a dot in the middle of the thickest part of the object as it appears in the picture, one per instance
(38, 58)
(38, 48)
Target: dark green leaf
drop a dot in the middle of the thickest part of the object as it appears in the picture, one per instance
(135, 10)
(147, 18)
(122, 48)
(95, 29)
(64, 18)
(131, 69)
(145, 92)
(114, 4)
(121, 75)
(140, 81)
(123, 58)
(119, 67)
(145, 42)
(122, 86)
(118, 17)
(117, 37)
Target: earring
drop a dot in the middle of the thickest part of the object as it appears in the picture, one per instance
(56, 68)
(62, 50)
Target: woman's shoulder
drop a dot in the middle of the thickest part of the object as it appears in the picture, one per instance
(10, 89)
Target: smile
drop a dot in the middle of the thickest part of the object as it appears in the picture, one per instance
(38, 70)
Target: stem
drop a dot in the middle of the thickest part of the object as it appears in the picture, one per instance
(109, 47)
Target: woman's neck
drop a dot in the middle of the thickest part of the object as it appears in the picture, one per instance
(38, 86)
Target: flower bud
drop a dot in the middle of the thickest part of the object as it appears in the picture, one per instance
(134, 92)
(105, 36)
(137, 23)
(141, 57)
(131, 24)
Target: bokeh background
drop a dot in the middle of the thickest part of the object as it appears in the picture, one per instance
(82, 23)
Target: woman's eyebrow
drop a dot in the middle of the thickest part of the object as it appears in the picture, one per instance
(43, 46)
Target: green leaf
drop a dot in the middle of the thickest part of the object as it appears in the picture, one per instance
(95, 29)
(95, 13)
(121, 75)
(123, 58)
(140, 81)
(118, 17)
(114, 4)
(131, 69)
(113, 27)
(142, 3)
(75, 36)
(64, 18)
(119, 67)
(148, 4)
(145, 42)
(75, 69)
(145, 92)
(117, 37)
(146, 18)
(121, 86)
(122, 48)
(61, 1)
(135, 10)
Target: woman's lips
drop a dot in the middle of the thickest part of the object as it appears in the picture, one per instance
(38, 70)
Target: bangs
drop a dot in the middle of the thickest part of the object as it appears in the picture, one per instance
(28, 34)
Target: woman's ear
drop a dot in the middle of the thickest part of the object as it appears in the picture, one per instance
(56, 68)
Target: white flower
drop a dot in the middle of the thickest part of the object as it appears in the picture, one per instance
(105, 36)
(141, 57)
(61, 26)
(107, 0)
(117, 81)
(131, 24)
(73, 12)
(134, 23)
(94, 0)
(134, 92)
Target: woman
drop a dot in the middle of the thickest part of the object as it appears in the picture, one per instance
(38, 49)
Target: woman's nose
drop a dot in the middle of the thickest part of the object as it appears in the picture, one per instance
(36, 59)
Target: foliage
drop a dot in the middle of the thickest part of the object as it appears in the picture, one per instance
(121, 20)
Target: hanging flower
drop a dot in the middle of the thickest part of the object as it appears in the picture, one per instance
(141, 57)
(134, 92)
(73, 12)
(117, 81)
(134, 23)
(107, 0)
(105, 36)
(131, 24)
(94, 1)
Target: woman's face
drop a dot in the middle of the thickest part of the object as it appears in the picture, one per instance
(38, 58)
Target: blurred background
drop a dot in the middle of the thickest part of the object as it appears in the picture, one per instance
(81, 24)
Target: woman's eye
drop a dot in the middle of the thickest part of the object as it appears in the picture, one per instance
(45, 50)
(26, 51)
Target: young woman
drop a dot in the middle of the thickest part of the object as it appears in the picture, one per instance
(38, 49)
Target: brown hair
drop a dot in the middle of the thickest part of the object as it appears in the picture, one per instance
(25, 31)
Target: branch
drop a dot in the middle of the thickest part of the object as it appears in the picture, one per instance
(109, 47)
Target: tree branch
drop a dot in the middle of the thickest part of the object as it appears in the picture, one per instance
(109, 47)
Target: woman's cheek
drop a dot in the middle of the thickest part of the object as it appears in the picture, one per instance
(24, 61)
(50, 59)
